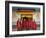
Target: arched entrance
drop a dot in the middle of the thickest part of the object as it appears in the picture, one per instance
(26, 13)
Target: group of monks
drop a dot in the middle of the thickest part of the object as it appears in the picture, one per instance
(26, 24)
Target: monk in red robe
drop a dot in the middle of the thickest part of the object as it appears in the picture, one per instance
(19, 25)
(32, 24)
(24, 23)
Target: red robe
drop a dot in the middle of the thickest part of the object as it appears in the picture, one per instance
(32, 25)
(18, 25)
(24, 24)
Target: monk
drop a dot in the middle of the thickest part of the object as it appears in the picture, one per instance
(18, 25)
(24, 23)
(32, 24)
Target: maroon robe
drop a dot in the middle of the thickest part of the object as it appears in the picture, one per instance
(24, 24)
(32, 25)
(19, 25)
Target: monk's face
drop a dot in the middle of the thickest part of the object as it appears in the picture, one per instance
(24, 19)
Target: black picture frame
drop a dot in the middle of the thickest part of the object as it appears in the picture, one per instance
(7, 18)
